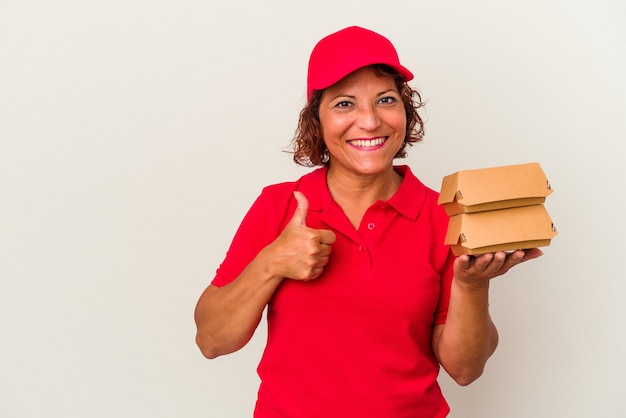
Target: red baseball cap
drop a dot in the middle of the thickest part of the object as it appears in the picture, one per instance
(347, 50)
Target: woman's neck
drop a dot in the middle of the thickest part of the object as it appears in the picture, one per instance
(356, 193)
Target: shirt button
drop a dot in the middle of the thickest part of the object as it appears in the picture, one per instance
(371, 226)
(360, 248)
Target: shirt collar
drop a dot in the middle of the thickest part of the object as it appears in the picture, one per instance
(315, 188)
(407, 200)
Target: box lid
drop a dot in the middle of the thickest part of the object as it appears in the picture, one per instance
(494, 188)
(500, 230)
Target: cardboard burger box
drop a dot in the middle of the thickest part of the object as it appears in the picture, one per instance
(497, 209)
(494, 188)
(508, 229)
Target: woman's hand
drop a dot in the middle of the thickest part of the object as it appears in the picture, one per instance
(300, 252)
(476, 271)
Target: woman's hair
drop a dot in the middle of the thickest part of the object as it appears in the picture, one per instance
(308, 144)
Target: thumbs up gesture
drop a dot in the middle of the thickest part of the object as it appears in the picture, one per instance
(300, 252)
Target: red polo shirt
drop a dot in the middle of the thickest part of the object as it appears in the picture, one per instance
(356, 342)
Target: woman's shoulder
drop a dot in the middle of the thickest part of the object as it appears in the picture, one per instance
(276, 202)
(286, 188)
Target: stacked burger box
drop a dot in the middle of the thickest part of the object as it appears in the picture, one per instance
(497, 209)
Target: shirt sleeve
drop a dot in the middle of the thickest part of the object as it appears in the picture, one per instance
(444, 295)
(260, 226)
(440, 220)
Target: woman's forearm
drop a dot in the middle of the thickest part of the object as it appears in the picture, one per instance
(226, 317)
(467, 340)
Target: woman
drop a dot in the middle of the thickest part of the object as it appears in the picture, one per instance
(364, 300)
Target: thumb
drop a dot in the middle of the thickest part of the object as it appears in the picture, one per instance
(299, 216)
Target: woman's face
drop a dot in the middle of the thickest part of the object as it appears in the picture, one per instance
(363, 122)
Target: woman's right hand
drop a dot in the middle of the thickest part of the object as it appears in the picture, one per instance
(300, 252)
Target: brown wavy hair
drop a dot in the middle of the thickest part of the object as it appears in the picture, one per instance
(308, 145)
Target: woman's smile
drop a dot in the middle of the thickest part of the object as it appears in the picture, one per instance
(366, 144)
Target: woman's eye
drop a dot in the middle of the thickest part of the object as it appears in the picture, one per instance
(388, 100)
(343, 104)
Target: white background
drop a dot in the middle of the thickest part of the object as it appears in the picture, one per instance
(135, 135)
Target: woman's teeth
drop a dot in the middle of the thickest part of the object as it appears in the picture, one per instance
(366, 143)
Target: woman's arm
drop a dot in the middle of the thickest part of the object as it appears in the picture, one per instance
(226, 317)
(468, 338)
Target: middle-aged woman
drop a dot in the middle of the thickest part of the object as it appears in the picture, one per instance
(364, 300)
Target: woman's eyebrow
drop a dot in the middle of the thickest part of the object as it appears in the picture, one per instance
(341, 95)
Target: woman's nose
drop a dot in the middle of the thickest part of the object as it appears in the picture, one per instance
(368, 118)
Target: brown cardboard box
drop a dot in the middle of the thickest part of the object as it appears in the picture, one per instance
(500, 230)
(497, 209)
(494, 188)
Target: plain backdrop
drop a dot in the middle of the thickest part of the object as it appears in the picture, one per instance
(134, 135)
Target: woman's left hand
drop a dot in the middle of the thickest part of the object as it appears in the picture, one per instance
(476, 271)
